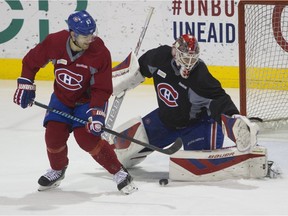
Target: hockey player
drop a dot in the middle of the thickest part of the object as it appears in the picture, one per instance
(192, 105)
(82, 87)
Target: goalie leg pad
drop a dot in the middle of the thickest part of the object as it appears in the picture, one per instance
(130, 154)
(216, 165)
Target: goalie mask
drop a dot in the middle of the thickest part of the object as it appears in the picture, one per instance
(186, 53)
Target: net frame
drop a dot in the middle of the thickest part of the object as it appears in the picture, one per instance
(274, 83)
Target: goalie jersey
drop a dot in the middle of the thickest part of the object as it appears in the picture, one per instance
(182, 101)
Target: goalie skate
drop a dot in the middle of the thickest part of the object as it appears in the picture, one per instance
(274, 170)
(125, 182)
(51, 179)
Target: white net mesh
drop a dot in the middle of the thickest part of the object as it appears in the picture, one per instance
(266, 36)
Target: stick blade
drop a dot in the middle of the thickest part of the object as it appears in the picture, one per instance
(174, 147)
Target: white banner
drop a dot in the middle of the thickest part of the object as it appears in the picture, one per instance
(119, 24)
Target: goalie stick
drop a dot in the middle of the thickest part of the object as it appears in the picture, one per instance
(119, 99)
(170, 150)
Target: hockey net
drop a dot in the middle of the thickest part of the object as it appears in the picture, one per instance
(263, 61)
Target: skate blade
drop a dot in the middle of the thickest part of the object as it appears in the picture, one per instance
(44, 188)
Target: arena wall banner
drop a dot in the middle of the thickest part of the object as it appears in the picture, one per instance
(119, 24)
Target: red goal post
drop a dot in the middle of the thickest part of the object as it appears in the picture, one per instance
(263, 59)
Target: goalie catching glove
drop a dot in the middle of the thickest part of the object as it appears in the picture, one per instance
(96, 121)
(241, 131)
(25, 92)
(126, 75)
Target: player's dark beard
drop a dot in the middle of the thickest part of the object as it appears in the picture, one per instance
(76, 43)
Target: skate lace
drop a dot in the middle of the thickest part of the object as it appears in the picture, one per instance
(120, 176)
(53, 174)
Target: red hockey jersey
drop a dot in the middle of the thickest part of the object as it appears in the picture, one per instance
(84, 77)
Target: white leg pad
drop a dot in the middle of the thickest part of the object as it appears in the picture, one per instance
(220, 164)
(129, 153)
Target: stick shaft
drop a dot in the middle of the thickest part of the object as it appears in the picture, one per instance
(118, 100)
(169, 151)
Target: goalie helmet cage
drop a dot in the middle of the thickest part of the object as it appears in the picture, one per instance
(263, 61)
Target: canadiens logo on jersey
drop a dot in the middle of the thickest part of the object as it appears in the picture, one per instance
(68, 79)
(167, 94)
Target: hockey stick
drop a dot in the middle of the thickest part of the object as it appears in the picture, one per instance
(170, 150)
(137, 48)
(119, 99)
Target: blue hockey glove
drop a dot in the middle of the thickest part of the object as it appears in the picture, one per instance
(25, 92)
(96, 121)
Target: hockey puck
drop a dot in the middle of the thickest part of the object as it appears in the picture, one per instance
(163, 182)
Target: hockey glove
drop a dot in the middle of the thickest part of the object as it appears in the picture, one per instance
(25, 92)
(241, 131)
(96, 121)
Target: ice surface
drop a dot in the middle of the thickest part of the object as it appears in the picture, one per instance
(89, 190)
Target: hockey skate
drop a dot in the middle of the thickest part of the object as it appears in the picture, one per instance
(274, 170)
(51, 179)
(124, 182)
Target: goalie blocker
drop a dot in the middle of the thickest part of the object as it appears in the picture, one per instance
(213, 165)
